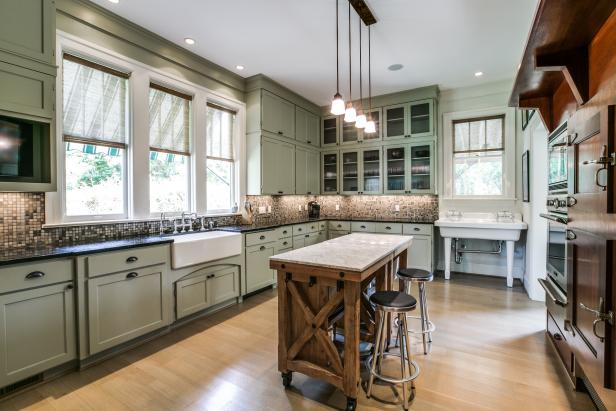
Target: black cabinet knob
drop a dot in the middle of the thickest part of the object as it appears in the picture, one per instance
(131, 259)
(416, 228)
(262, 237)
(262, 248)
(280, 132)
(280, 192)
(70, 287)
(35, 274)
(131, 275)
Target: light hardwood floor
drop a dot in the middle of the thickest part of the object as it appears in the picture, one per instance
(489, 353)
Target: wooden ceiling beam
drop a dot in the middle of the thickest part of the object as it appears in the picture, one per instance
(574, 66)
(543, 105)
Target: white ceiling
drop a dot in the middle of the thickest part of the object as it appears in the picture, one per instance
(440, 42)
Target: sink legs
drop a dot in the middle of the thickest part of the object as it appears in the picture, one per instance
(510, 251)
(447, 258)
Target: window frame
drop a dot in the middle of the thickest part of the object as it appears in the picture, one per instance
(509, 148)
(136, 155)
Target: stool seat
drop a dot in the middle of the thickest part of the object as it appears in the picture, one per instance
(416, 274)
(393, 299)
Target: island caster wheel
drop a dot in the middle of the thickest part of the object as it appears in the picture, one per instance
(287, 377)
(351, 404)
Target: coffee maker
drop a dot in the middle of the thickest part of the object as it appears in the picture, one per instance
(314, 209)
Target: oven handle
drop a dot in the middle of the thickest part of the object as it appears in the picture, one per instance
(544, 284)
(552, 217)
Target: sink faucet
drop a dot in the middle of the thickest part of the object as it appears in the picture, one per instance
(454, 213)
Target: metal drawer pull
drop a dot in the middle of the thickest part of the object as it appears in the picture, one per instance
(280, 192)
(600, 317)
(285, 243)
(307, 235)
(544, 284)
(363, 226)
(416, 228)
(558, 337)
(605, 161)
(35, 274)
(262, 237)
(388, 228)
(132, 275)
(131, 259)
(280, 132)
(299, 229)
(262, 248)
(210, 276)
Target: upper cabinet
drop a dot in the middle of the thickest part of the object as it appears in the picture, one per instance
(277, 167)
(409, 168)
(375, 114)
(330, 131)
(277, 115)
(306, 171)
(414, 119)
(28, 29)
(306, 127)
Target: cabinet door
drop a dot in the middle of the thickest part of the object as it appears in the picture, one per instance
(26, 91)
(301, 125)
(375, 114)
(191, 295)
(310, 239)
(124, 306)
(313, 165)
(321, 236)
(258, 273)
(37, 331)
(269, 166)
(277, 115)
(421, 118)
(395, 169)
(371, 171)
(312, 129)
(224, 285)
(330, 131)
(299, 241)
(395, 122)
(420, 253)
(28, 28)
(301, 170)
(349, 166)
(286, 168)
(421, 173)
(350, 134)
(329, 173)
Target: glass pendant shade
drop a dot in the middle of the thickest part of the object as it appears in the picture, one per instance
(370, 127)
(337, 105)
(350, 114)
(360, 120)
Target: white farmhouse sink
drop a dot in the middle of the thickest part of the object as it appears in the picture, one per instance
(197, 248)
(485, 226)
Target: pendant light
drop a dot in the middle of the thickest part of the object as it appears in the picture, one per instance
(370, 126)
(350, 114)
(337, 103)
(360, 121)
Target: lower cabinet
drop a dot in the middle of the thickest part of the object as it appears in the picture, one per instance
(420, 253)
(258, 273)
(124, 306)
(205, 288)
(37, 331)
(335, 234)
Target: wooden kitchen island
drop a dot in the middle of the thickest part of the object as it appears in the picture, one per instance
(314, 283)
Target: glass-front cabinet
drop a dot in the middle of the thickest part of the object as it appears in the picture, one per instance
(350, 171)
(394, 125)
(329, 173)
(421, 118)
(330, 130)
(361, 171)
(395, 169)
(409, 168)
(415, 119)
(375, 114)
(350, 133)
(422, 168)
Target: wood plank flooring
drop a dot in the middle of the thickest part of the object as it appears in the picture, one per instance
(489, 353)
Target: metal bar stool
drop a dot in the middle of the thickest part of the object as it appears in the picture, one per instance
(421, 277)
(387, 304)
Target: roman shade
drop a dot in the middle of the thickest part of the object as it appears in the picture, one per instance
(95, 103)
(479, 134)
(169, 120)
(220, 122)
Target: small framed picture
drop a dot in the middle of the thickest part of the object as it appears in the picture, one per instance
(525, 177)
(526, 116)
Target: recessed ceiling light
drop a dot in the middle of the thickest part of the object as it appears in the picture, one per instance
(190, 41)
(114, 1)
(479, 74)
(239, 67)
(395, 67)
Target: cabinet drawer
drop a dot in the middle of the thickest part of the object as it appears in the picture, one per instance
(362, 227)
(114, 261)
(261, 237)
(312, 227)
(28, 275)
(340, 225)
(26, 91)
(388, 228)
(37, 331)
(423, 229)
(322, 225)
(285, 232)
(124, 306)
(311, 239)
(300, 229)
(420, 253)
(284, 245)
(558, 338)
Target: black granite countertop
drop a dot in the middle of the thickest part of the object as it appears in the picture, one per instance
(270, 225)
(35, 253)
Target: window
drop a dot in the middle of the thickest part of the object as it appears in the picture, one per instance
(95, 138)
(169, 150)
(478, 156)
(220, 158)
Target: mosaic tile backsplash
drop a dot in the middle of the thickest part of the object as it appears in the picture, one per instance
(22, 216)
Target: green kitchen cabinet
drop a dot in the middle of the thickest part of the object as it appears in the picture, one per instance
(422, 168)
(409, 120)
(277, 115)
(409, 168)
(277, 167)
(126, 305)
(37, 331)
(329, 172)
(28, 29)
(258, 272)
(307, 165)
(395, 119)
(350, 171)
(349, 133)
(395, 159)
(26, 92)
(376, 114)
(361, 171)
(306, 127)
(206, 288)
(330, 131)
(421, 118)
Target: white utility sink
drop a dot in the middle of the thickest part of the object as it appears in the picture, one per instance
(197, 248)
(484, 226)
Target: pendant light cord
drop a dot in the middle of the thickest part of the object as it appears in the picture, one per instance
(350, 78)
(337, 54)
(361, 101)
(369, 70)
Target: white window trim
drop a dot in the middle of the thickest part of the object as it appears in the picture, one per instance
(508, 155)
(137, 154)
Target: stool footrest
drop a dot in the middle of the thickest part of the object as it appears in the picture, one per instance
(431, 326)
(390, 380)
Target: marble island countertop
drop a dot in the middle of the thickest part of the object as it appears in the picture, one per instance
(353, 252)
